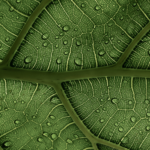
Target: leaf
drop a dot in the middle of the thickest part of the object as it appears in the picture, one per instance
(74, 74)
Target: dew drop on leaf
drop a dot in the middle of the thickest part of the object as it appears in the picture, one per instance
(69, 141)
(34, 117)
(56, 37)
(58, 61)
(76, 136)
(45, 133)
(120, 129)
(123, 9)
(11, 9)
(118, 41)
(116, 124)
(130, 102)
(102, 120)
(121, 18)
(52, 117)
(40, 140)
(45, 36)
(147, 128)
(133, 119)
(110, 134)
(28, 59)
(18, 1)
(16, 121)
(78, 43)
(140, 132)
(54, 136)
(48, 124)
(109, 24)
(112, 38)
(146, 101)
(75, 29)
(101, 52)
(125, 140)
(78, 61)
(65, 42)
(7, 144)
(97, 7)
(55, 100)
(66, 53)
(114, 100)
(7, 39)
(134, 4)
(97, 110)
(148, 114)
(61, 34)
(15, 102)
(56, 45)
(45, 44)
(22, 102)
(66, 28)
(106, 42)
(82, 5)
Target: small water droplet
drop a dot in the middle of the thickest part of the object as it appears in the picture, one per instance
(147, 128)
(54, 136)
(97, 110)
(22, 102)
(148, 114)
(11, 9)
(101, 52)
(66, 28)
(66, 53)
(140, 132)
(78, 61)
(102, 100)
(130, 102)
(58, 61)
(48, 124)
(123, 9)
(61, 34)
(116, 124)
(44, 36)
(16, 121)
(18, 1)
(65, 42)
(28, 59)
(82, 5)
(59, 25)
(146, 101)
(102, 120)
(134, 4)
(56, 45)
(45, 133)
(121, 18)
(56, 37)
(7, 39)
(110, 134)
(133, 119)
(15, 102)
(45, 44)
(78, 43)
(112, 38)
(125, 140)
(114, 101)
(76, 136)
(109, 24)
(97, 7)
(75, 29)
(106, 42)
(118, 41)
(40, 140)
(52, 117)
(55, 100)
(120, 129)
(34, 117)
(7, 144)
(69, 141)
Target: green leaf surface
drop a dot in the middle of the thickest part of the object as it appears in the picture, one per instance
(74, 74)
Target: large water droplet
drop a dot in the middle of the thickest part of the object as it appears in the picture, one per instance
(7, 144)
(114, 101)
(54, 136)
(97, 7)
(104, 109)
(69, 141)
(45, 36)
(78, 61)
(147, 128)
(125, 140)
(58, 61)
(120, 129)
(66, 28)
(133, 119)
(52, 117)
(55, 100)
(101, 52)
(28, 59)
(16, 121)
(146, 101)
(40, 140)
(148, 114)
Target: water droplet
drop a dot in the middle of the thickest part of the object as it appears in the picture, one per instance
(82, 5)
(121, 18)
(140, 132)
(120, 129)
(148, 114)
(102, 100)
(66, 28)
(102, 120)
(18, 1)
(15, 102)
(104, 109)
(147, 128)
(146, 101)
(22, 102)
(125, 140)
(118, 41)
(123, 9)
(69, 141)
(133, 119)
(58, 61)
(52, 117)
(16, 121)
(54, 136)
(65, 42)
(40, 140)
(111, 38)
(11, 9)
(66, 53)
(130, 102)
(114, 101)
(109, 24)
(59, 25)
(75, 29)
(110, 134)
(34, 117)
(101, 52)
(76, 136)
(78, 61)
(45, 44)
(106, 42)
(97, 110)
(56, 37)
(45, 133)
(61, 34)
(45, 36)
(97, 7)
(116, 124)
(28, 59)
(48, 124)
(7, 144)
(7, 39)
(56, 45)
(55, 100)
(78, 43)
(134, 4)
